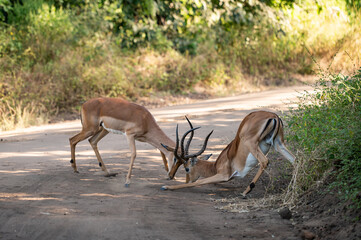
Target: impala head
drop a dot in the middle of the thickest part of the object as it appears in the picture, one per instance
(181, 156)
(192, 162)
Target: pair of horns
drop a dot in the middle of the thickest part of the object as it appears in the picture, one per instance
(185, 150)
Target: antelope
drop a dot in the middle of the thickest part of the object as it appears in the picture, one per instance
(256, 134)
(99, 116)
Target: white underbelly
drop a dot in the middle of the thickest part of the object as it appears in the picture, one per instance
(112, 130)
(251, 162)
(116, 126)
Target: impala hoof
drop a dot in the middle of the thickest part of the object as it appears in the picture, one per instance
(244, 196)
(163, 188)
(76, 171)
(126, 185)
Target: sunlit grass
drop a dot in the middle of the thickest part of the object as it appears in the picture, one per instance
(330, 35)
(18, 115)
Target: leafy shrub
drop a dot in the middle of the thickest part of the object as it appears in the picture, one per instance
(5, 8)
(48, 30)
(326, 130)
(19, 11)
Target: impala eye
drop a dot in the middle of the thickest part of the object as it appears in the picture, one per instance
(175, 160)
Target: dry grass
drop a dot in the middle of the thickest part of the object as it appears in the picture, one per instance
(241, 205)
(18, 115)
(300, 177)
(331, 36)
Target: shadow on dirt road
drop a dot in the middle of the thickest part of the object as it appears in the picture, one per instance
(41, 197)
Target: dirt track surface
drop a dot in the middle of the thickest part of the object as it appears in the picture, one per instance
(42, 198)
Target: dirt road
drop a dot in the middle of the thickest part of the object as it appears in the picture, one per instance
(41, 197)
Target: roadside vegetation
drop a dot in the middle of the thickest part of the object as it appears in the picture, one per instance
(54, 54)
(326, 132)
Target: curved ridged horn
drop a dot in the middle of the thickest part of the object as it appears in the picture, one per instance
(176, 144)
(190, 137)
(181, 157)
(202, 149)
(183, 154)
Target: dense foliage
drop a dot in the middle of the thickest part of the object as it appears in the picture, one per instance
(54, 54)
(326, 131)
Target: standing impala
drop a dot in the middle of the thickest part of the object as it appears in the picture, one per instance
(99, 116)
(256, 134)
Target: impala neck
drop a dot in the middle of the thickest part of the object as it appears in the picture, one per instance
(206, 168)
(156, 137)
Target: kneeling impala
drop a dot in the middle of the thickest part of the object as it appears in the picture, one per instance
(256, 134)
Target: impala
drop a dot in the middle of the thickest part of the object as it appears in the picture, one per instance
(256, 134)
(99, 116)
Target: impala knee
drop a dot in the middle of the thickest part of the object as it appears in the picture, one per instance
(94, 145)
(264, 165)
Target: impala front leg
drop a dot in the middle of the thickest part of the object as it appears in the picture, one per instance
(253, 183)
(165, 161)
(131, 141)
(187, 178)
(263, 161)
(214, 179)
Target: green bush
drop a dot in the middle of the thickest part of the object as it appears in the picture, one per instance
(326, 131)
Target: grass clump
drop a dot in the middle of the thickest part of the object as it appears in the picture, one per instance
(20, 115)
(326, 131)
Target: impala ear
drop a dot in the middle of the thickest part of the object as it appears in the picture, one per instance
(168, 148)
(205, 157)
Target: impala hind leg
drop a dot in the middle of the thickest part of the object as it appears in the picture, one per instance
(94, 143)
(73, 142)
(131, 141)
(281, 148)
